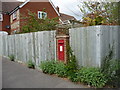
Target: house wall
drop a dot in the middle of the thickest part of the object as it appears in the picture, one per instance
(39, 6)
(15, 24)
(5, 22)
(34, 7)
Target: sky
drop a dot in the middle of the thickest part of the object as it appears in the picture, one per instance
(69, 7)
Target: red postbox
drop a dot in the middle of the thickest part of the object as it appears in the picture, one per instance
(61, 54)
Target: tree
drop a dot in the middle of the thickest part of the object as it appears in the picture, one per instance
(31, 23)
(100, 13)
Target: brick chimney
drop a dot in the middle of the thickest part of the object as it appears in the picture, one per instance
(57, 9)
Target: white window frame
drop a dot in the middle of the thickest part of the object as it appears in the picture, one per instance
(14, 15)
(1, 17)
(40, 16)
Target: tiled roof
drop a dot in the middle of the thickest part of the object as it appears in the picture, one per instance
(9, 6)
(64, 17)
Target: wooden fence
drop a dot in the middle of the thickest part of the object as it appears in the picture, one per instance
(89, 44)
(92, 44)
(36, 46)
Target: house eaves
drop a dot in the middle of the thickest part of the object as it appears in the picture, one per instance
(24, 3)
(18, 7)
(54, 7)
(14, 10)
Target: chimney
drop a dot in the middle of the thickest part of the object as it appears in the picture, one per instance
(57, 9)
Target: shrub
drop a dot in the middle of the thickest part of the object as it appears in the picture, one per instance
(48, 66)
(91, 76)
(72, 75)
(111, 68)
(71, 66)
(112, 71)
(60, 69)
(31, 64)
(12, 57)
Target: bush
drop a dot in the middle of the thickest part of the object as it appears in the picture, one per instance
(112, 71)
(71, 66)
(12, 57)
(91, 76)
(72, 75)
(48, 66)
(31, 23)
(111, 68)
(31, 64)
(60, 69)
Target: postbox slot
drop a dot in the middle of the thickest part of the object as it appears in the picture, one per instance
(61, 48)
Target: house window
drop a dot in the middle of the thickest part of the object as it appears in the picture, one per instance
(14, 15)
(42, 15)
(1, 17)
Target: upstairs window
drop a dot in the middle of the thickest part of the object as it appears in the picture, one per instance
(1, 17)
(42, 15)
(14, 15)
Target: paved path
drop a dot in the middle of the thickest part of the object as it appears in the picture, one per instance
(16, 75)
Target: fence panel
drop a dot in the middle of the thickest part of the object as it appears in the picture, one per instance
(92, 44)
(36, 46)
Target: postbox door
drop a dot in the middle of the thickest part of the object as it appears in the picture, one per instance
(61, 51)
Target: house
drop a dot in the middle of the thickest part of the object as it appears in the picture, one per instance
(64, 18)
(4, 15)
(37, 7)
(13, 17)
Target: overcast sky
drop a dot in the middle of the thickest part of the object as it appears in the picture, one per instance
(69, 7)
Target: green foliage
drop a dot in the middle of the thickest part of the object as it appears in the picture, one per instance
(12, 57)
(72, 75)
(97, 20)
(100, 13)
(72, 62)
(31, 64)
(91, 76)
(60, 69)
(48, 66)
(31, 23)
(71, 66)
(53, 67)
(111, 68)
